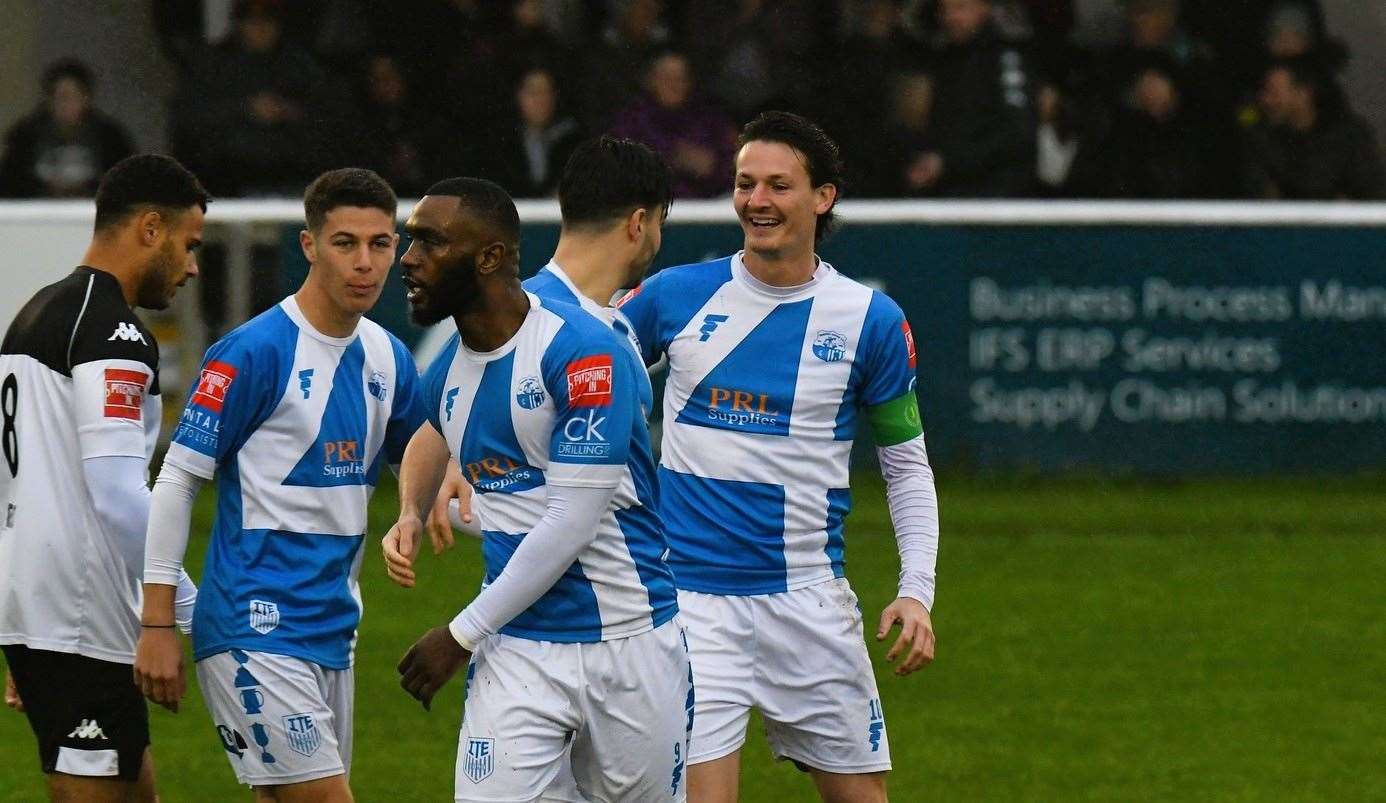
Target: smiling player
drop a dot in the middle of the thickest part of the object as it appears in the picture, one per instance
(773, 354)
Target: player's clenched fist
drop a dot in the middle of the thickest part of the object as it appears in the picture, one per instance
(430, 663)
(401, 547)
(159, 667)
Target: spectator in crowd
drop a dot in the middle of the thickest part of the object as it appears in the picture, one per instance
(1155, 149)
(526, 40)
(696, 139)
(1057, 140)
(531, 154)
(613, 65)
(63, 148)
(982, 120)
(251, 118)
(398, 139)
(1309, 144)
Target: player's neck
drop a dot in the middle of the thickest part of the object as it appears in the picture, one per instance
(587, 262)
(108, 258)
(324, 316)
(490, 324)
(780, 268)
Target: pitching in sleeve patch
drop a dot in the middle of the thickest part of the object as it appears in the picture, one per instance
(589, 381)
(632, 293)
(212, 385)
(909, 343)
(124, 393)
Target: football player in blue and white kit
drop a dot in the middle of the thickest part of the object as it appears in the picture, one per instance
(294, 412)
(773, 356)
(573, 641)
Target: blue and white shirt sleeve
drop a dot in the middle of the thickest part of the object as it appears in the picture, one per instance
(434, 380)
(640, 310)
(888, 354)
(596, 403)
(233, 393)
(408, 412)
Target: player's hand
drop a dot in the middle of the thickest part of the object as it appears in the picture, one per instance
(439, 525)
(916, 634)
(401, 547)
(12, 694)
(429, 664)
(159, 667)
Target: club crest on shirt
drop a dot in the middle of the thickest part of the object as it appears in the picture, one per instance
(302, 733)
(589, 381)
(213, 384)
(530, 394)
(376, 385)
(479, 761)
(829, 346)
(124, 393)
(264, 616)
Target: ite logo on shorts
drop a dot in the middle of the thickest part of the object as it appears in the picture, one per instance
(589, 381)
(212, 385)
(304, 736)
(124, 393)
(479, 761)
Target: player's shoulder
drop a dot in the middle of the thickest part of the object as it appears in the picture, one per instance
(679, 280)
(368, 328)
(271, 328)
(576, 323)
(105, 327)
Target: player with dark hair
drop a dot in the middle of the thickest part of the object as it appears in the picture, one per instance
(79, 390)
(573, 642)
(773, 355)
(294, 413)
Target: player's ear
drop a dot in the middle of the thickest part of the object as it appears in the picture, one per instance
(305, 241)
(150, 226)
(490, 258)
(824, 196)
(635, 224)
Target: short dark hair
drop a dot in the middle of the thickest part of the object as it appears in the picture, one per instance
(145, 180)
(348, 186)
(486, 200)
(68, 68)
(608, 178)
(822, 158)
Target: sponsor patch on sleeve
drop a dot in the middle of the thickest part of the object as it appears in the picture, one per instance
(212, 385)
(589, 381)
(909, 343)
(125, 393)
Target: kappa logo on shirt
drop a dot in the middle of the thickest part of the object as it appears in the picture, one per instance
(589, 381)
(127, 331)
(212, 385)
(124, 393)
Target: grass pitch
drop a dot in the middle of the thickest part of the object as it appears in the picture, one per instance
(1097, 641)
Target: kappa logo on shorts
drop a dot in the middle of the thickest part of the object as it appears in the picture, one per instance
(88, 729)
(264, 616)
(124, 393)
(127, 331)
(589, 381)
(303, 734)
(480, 759)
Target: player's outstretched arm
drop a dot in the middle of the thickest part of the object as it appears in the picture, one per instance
(159, 670)
(420, 476)
(913, 504)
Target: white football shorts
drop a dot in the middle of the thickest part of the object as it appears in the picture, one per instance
(281, 719)
(800, 657)
(618, 712)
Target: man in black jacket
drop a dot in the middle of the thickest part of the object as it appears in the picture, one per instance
(982, 118)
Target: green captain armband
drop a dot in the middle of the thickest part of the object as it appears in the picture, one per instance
(896, 421)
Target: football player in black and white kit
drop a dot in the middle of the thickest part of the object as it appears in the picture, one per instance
(79, 393)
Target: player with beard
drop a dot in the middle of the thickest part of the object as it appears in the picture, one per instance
(573, 641)
(79, 389)
(294, 413)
